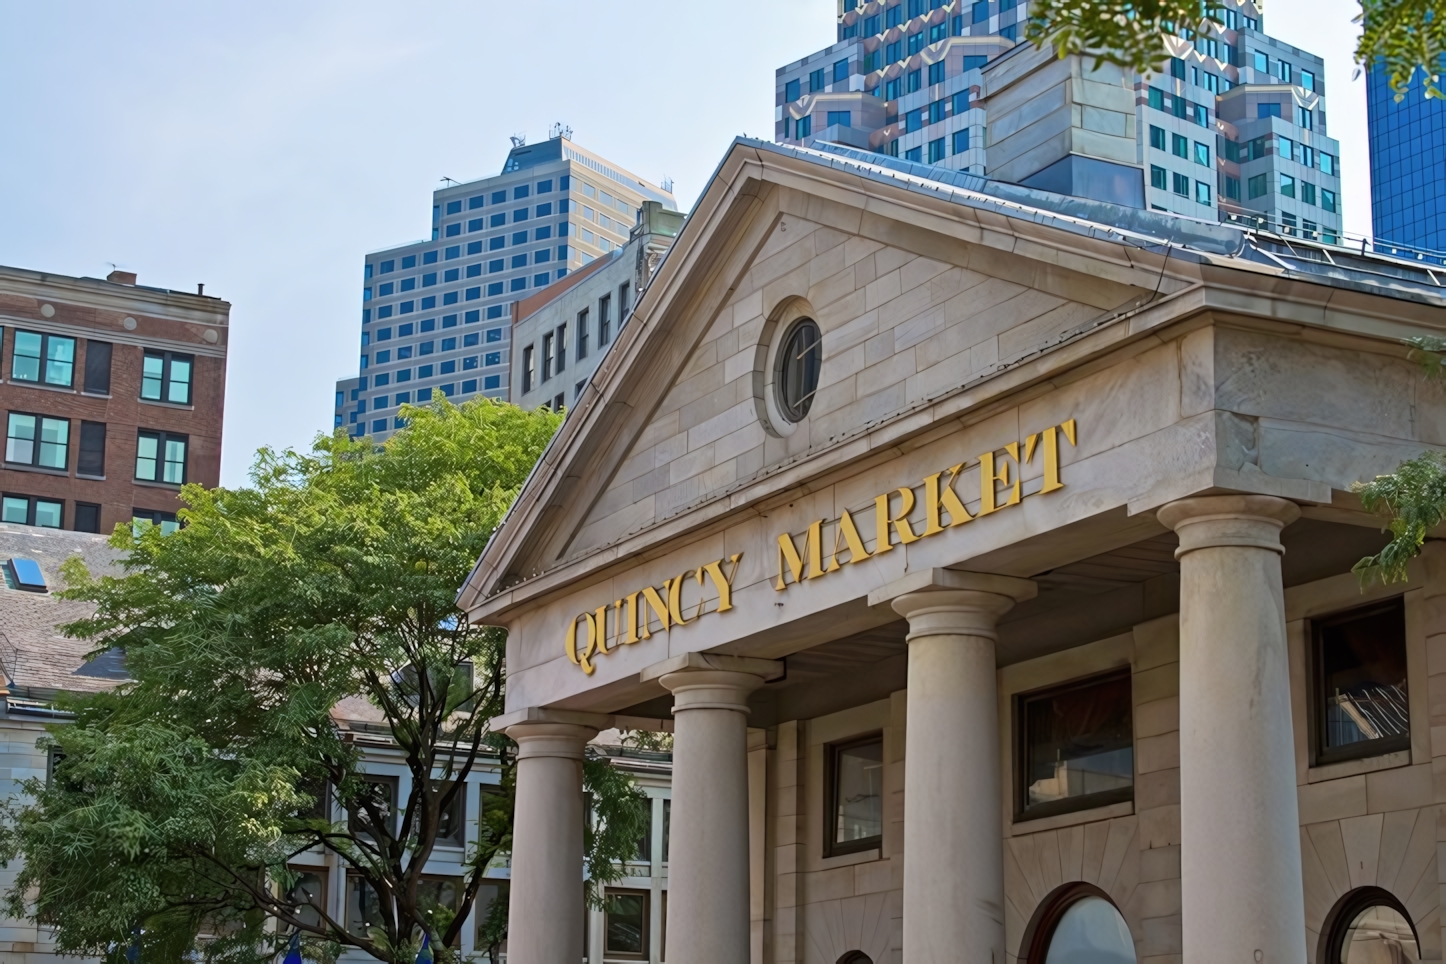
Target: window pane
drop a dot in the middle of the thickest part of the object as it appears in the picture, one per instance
(14, 509)
(1362, 678)
(1379, 933)
(1091, 931)
(48, 513)
(363, 908)
(179, 390)
(20, 439)
(25, 363)
(147, 447)
(175, 461)
(1078, 743)
(151, 371)
(54, 442)
(858, 792)
(59, 360)
(309, 890)
(626, 923)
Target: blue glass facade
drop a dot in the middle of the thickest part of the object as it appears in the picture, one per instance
(1408, 165)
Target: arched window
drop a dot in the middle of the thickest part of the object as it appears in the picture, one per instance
(797, 369)
(1368, 925)
(1077, 924)
(856, 957)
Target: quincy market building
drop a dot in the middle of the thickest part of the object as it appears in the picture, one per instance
(990, 553)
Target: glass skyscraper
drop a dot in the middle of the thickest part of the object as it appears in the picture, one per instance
(1408, 165)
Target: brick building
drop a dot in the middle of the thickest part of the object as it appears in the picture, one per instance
(111, 395)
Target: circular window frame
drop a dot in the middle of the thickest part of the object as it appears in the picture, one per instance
(783, 319)
(781, 361)
(1347, 908)
(1034, 947)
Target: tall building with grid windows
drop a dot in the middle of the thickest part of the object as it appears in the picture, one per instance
(435, 318)
(1408, 165)
(1233, 129)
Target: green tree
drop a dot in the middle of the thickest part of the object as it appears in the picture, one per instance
(1404, 36)
(323, 591)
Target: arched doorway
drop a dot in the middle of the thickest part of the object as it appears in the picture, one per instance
(1077, 924)
(1369, 926)
(856, 957)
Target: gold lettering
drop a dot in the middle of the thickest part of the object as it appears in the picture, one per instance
(631, 622)
(675, 598)
(722, 584)
(655, 602)
(570, 644)
(900, 522)
(849, 533)
(698, 575)
(936, 497)
(788, 553)
(601, 615)
(989, 475)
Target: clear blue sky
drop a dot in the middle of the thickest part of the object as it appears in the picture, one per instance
(262, 148)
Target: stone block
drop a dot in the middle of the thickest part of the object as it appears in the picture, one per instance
(1332, 800)
(1403, 788)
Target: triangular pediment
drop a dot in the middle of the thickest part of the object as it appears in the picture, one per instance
(917, 298)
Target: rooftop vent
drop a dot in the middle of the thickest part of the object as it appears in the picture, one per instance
(122, 277)
(26, 574)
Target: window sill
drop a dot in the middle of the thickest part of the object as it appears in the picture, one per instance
(64, 390)
(37, 469)
(168, 486)
(1365, 764)
(96, 394)
(160, 404)
(1122, 809)
(90, 478)
(849, 860)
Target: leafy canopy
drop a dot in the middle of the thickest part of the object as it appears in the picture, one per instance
(323, 592)
(1403, 36)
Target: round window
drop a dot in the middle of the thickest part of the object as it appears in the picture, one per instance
(1369, 925)
(796, 374)
(1090, 931)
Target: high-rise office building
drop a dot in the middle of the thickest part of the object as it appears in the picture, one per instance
(1233, 129)
(1408, 165)
(435, 313)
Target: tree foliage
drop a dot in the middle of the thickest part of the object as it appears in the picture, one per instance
(1403, 36)
(323, 591)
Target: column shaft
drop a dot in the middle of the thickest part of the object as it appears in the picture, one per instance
(1240, 860)
(708, 847)
(953, 828)
(545, 910)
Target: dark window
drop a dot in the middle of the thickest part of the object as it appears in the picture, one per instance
(1076, 747)
(855, 782)
(452, 825)
(797, 369)
(561, 348)
(791, 91)
(166, 377)
(381, 794)
(546, 357)
(582, 334)
(97, 367)
(309, 896)
(87, 517)
(161, 457)
(363, 906)
(91, 460)
(47, 359)
(624, 305)
(527, 370)
(627, 924)
(1359, 667)
(604, 320)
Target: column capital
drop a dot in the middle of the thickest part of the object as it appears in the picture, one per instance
(702, 681)
(560, 740)
(947, 602)
(1213, 521)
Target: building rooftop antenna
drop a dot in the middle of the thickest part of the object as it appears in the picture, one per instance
(449, 181)
(559, 129)
(519, 140)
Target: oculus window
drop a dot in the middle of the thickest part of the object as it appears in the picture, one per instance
(44, 359)
(1079, 925)
(627, 925)
(1075, 747)
(797, 369)
(1358, 662)
(856, 796)
(1369, 925)
(166, 377)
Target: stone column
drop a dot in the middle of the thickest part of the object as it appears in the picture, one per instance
(1241, 892)
(953, 827)
(708, 919)
(545, 912)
